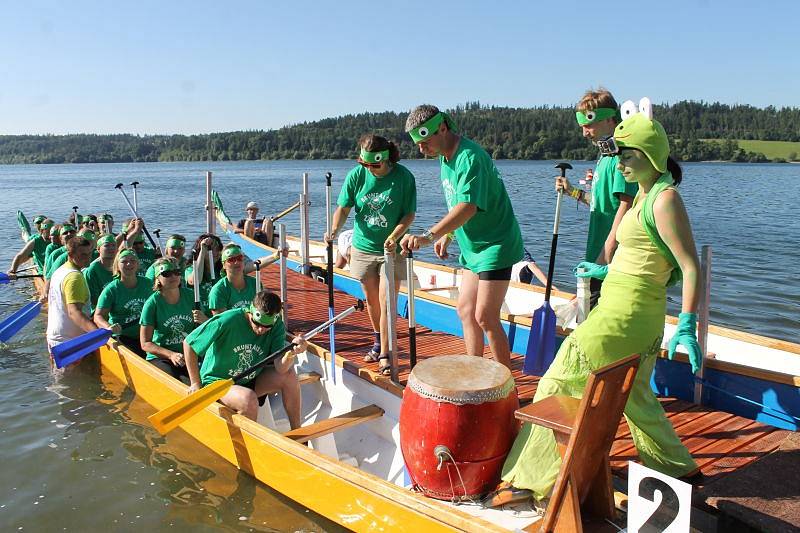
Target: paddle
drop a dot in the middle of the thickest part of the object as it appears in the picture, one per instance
(17, 320)
(76, 349)
(135, 184)
(24, 226)
(157, 233)
(329, 222)
(542, 338)
(412, 320)
(257, 264)
(5, 278)
(174, 415)
(119, 186)
(197, 276)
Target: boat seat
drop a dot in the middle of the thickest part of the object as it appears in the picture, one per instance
(584, 430)
(336, 423)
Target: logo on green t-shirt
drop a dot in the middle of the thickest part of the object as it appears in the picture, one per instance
(449, 193)
(175, 332)
(376, 202)
(247, 353)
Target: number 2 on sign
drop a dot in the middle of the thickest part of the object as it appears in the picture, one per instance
(657, 502)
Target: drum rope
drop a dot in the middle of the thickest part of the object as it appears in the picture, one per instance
(460, 499)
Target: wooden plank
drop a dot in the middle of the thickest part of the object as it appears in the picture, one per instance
(331, 425)
(555, 412)
(751, 443)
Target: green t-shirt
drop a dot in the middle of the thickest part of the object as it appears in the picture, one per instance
(39, 251)
(491, 239)
(124, 304)
(205, 287)
(146, 258)
(97, 277)
(171, 323)
(229, 345)
(380, 203)
(58, 258)
(608, 183)
(225, 296)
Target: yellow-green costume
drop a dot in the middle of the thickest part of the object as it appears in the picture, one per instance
(629, 319)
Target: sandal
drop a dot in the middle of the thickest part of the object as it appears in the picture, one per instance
(384, 369)
(372, 356)
(504, 494)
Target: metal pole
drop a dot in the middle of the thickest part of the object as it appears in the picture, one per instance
(391, 313)
(584, 295)
(329, 273)
(210, 220)
(703, 319)
(304, 227)
(412, 320)
(281, 248)
(257, 264)
(135, 199)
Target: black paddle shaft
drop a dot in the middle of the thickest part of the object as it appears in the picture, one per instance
(554, 245)
(330, 251)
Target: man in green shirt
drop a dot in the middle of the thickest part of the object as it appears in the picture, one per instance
(99, 273)
(482, 219)
(238, 339)
(611, 196)
(35, 248)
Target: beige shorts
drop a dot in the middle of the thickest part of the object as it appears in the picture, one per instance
(364, 265)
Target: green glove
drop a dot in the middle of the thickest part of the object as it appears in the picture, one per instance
(591, 270)
(686, 335)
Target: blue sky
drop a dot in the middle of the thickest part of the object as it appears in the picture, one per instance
(197, 67)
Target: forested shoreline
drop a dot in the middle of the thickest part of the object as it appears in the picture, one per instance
(698, 132)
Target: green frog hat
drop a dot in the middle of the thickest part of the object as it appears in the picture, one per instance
(640, 130)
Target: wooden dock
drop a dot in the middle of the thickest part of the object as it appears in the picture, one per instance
(721, 443)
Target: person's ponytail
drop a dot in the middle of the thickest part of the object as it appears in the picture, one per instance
(675, 169)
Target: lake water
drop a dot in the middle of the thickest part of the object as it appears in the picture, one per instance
(71, 462)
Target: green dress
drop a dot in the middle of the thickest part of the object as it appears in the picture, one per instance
(628, 319)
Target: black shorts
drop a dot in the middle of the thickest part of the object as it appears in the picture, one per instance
(501, 274)
(133, 345)
(177, 372)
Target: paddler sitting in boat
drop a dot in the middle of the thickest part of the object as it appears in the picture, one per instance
(343, 245)
(119, 307)
(237, 339)
(384, 195)
(656, 248)
(37, 222)
(135, 239)
(204, 245)
(69, 296)
(256, 228)
(105, 224)
(167, 317)
(175, 247)
(100, 272)
(482, 219)
(60, 257)
(35, 248)
(235, 289)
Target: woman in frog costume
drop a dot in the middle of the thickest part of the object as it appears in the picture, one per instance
(655, 247)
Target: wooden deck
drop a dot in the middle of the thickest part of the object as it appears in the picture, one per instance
(720, 442)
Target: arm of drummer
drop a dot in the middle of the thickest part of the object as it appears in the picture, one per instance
(22, 256)
(101, 320)
(675, 229)
(192, 368)
(147, 344)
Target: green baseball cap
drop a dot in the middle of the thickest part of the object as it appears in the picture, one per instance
(647, 135)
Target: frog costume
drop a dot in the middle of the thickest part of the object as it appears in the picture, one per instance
(629, 319)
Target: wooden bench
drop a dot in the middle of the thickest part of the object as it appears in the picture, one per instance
(336, 423)
(584, 430)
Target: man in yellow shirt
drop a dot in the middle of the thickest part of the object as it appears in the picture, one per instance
(68, 297)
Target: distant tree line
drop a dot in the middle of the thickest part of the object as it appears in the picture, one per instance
(699, 132)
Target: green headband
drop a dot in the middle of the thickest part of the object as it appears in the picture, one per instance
(66, 228)
(167, 266)
(105, 216)
(139, 238)
(88, 235)
(424, 131)
(39, 219)
(46, 224)
(127, 252)
(374, 158)
(233, 251)
(591, 116)
(646, 135)
(175, 243)
(106, 239)
(260, 317)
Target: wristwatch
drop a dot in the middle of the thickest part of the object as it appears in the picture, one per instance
(429, 235)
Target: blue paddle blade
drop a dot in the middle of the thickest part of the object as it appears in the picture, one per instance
(541, 341)
(4, 278)
(76, 349)
(11, 325)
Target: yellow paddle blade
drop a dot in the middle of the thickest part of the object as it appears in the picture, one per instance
(173, 416)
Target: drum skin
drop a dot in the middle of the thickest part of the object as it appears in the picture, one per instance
(477, 427)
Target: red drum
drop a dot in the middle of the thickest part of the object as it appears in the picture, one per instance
(457, 425)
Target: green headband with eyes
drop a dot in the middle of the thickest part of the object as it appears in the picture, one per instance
(127, 253)
(424, 131)
(88, 235)
(260, 317)
(66, 228)
(172, 242)
(374, 158)
(106, 239)
(39, 219)
(47, 224)
(591, 116)
(233, 251)
(167, 266)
